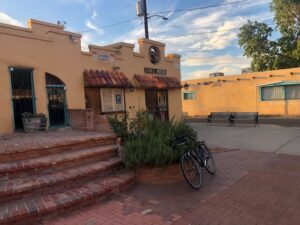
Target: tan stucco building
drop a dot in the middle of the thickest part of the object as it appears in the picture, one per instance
(44, 70)
(268, 93)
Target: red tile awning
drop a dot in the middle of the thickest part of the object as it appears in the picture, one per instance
(96, 78)
(156, 82)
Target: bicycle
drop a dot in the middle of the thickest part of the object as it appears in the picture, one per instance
(194, 160)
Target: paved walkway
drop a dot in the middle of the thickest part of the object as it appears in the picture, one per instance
(265, 138)
(250, 187)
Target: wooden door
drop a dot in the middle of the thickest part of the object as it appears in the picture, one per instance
(157, 103)
(92, 99)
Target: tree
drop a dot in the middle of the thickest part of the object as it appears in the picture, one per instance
(267, 54)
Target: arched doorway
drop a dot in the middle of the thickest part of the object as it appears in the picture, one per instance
(56, 100)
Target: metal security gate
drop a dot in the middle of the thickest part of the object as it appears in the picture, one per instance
(56, 100)
(22, 94)
(157, 103)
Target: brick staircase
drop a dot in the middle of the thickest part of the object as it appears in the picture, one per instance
(48, 177)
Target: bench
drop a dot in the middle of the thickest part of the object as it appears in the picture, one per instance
(219, 116)
(244, 116)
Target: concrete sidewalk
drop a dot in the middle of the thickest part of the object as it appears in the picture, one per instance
(265, 138)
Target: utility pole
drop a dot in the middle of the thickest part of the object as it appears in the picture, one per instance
(145, 19)
(141, 11)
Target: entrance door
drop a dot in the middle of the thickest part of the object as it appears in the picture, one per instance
(92, 99)
(22, 94)
(56, 100)
(157, 103)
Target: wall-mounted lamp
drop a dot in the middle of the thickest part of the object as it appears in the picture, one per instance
(73, 39)
(131, 89)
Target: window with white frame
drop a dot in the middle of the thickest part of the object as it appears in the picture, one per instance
(189, 95)
(272, 93)
(292, 92)
(112, 100)
(287, 92)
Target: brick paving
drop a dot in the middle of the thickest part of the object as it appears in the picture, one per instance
(249, 188)
(15, 142)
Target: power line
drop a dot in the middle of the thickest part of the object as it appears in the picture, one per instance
(109, 25)
(151, 22)
(162, 12)
(199, 8)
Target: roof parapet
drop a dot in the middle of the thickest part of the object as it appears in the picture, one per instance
(151, 42)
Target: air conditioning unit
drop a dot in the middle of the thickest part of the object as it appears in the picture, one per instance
(217, 74)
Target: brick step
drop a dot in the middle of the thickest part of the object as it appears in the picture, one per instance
(19, 212)
(24, 187)
(36, 149)
(58, 160)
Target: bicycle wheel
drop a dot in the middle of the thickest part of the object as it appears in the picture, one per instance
(191, 171)
(208, 160)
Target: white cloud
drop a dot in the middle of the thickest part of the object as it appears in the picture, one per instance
(222, 60)
(4, 18)
(85, 42)
(93, 36)
(208, 21)
(90, 25)
(248, 4)
(227, 64)
(227, 70)
(94, 15)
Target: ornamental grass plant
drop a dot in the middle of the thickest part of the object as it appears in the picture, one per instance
(150, 142)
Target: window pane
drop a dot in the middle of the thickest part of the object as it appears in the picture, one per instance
(189, 96)
(293, 92)
(272, 93)
(118, 99)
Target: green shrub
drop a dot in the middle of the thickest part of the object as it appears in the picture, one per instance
(151, 142)
(119, 125)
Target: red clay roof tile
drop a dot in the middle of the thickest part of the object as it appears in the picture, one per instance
(96, 78)
(157, 82)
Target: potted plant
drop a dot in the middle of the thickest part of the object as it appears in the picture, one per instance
(149, 148)
(34, 122)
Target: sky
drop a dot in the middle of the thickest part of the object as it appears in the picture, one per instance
(201, 54)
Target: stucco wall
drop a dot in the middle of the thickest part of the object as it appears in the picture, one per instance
(49, 48)
(240, 93)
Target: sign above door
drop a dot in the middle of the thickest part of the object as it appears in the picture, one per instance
(148, 70)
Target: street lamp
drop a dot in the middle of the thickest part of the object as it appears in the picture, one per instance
(141, 11)
(155, 15)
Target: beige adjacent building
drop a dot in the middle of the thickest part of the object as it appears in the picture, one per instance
(44, 70)
(275, 93)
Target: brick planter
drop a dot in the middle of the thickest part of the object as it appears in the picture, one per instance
(160, 175)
